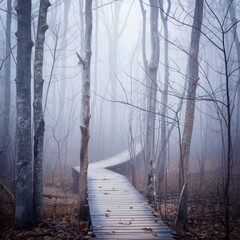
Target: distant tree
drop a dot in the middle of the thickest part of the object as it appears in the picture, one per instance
(85, 114)
(114, 35)
(162, 156)
(38, 112)
(235, 23)
(7, 98)
(24, 175)
(193, 77)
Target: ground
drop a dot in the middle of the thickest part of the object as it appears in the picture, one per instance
(205, 203)
(60, 216)
(206, 210)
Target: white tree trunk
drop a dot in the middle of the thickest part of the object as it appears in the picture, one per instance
(85, 115)
(151, 104)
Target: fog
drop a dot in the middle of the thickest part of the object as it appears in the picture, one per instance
(119, 90)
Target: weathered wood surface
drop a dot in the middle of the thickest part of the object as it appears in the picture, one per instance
(117, 209)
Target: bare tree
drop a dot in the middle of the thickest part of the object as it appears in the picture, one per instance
(85, 115)
(24, 179)
(234, 20)
(7, 92)
(151, 83)
(164, 96)
(189, 114)
(39, 124)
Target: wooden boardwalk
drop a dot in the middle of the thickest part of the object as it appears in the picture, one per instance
(117, 209)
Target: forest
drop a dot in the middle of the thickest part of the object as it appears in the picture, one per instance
(84, 81)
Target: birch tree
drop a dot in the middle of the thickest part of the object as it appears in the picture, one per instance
(193, 76)
(85, 114)
(38, 112)
(151, 85)
(23, 178)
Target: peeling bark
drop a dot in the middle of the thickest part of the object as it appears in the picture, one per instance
(151, 104)
(85, 114)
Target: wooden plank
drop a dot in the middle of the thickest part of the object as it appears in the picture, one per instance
(145, 236)
(117, 209)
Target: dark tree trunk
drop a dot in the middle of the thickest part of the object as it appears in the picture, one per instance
(189, 114)
(24, 177)
(237, 45)
(85, 115)
(38, 112)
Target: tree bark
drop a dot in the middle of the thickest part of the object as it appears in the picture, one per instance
(24, 181)
(85, 115)
(162, 158)
(38, 113)
(189, 114)
(234, 19)
(7, 98)
(151, 104)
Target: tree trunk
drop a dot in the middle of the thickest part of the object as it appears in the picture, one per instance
(162, 158)
(6, 117)
(189, 114)
(112, 63)
(63, 89)
(237, 45)
(85, 115)
(151, 105)
(24, 181)
(38, 112)
(145, 64)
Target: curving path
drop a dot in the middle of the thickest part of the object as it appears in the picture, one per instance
(117, 209)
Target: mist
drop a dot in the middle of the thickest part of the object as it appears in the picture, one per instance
(163, 78)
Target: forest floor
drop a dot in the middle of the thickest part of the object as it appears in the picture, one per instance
(60, 216)
(205, 204)
(206, 211)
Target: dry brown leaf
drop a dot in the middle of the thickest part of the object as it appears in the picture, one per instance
(147, 229)
(156, 214)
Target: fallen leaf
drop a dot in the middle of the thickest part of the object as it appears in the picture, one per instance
(147, 229)
(156, 214)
